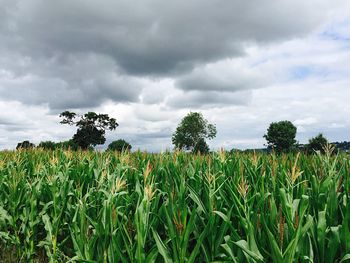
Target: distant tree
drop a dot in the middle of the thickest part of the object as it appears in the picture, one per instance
(119, 146)
(201, 147)
(235, 150)
(67, 145)
(47, 145)
(280, 136)
(317, 143)
(91, 127)
(191, 133)
(342, 146)
(25, 145)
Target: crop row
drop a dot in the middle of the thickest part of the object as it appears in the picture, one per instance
(63, 206)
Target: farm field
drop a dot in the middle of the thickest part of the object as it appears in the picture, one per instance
(64, 206)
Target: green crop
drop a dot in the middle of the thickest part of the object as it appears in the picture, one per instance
(63, 206)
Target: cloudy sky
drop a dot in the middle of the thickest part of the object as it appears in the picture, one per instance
(243, 64)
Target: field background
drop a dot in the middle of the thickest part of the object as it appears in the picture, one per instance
(65, 206)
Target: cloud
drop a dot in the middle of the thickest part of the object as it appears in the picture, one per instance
(196, 99)
(242, 63)
(155, 37)
(225, 76)
(80, 54)
(79, 81)
(306, 121)
(19, 122)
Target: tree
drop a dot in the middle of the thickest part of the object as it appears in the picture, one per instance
(25, 145)
(47, 145)
(67, 145)
(201, 147)
(119, 146)
(281, 136)
(91, 127)
(317, 143)
(192, 132)
(342, 146)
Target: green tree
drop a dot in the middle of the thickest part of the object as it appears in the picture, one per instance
(317, 143)
(280, 136)
(119, 146)
(67, 145)
(47, 145)
(25, 145)
(201, 147)
(192, 132)
(91, 127)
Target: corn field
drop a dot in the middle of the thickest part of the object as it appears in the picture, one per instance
(65, 206)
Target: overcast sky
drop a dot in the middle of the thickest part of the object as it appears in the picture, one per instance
(243, 64)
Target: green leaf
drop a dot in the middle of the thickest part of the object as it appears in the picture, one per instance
(244, 246)
(162, 248)
(345, 258)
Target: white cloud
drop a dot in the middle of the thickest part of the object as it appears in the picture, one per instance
(305, 121)
(243, 65)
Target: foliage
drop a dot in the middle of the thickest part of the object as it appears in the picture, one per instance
(119, 146)
(25, 145)
(201, 147)
(342, 146)
(281, 136)
(91, 127)
(193, 130)
(67, 145)
(64, 206)
(47, 145)
(317, 143)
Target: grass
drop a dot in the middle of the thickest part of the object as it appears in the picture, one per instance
(67, 206)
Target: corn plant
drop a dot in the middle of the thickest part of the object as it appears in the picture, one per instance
(65, 206)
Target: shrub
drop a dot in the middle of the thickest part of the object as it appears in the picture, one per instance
(119, 146)
(47, 145)
(25, 145)
(317, 143)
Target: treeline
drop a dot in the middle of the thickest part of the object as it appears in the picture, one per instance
(190, 135)
(91, 130)
(118, 145)
(337, 147)
(49, 145)
(342, 146)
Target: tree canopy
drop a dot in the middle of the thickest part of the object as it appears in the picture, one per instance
(91, 127)
(192, 132)
(64, 145)
(317, 143)
(280, 136)
(47, 145)
(25, 145)
(119, 146)
(201, 147)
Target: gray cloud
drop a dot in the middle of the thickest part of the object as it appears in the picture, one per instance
(223, 77)
(148, 64)
(157, 37)
(74, 54)
(78, 81)
(207, 83)
(196, 99)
